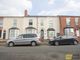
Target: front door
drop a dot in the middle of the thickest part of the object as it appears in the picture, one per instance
(4, 34)
(42, 34)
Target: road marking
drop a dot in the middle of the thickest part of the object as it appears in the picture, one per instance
(68, 56)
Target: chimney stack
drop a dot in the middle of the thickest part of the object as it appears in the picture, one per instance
(25, 13)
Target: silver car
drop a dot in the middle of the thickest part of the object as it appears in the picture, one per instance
(24, 39)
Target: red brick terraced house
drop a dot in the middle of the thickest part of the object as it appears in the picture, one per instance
(70, 25)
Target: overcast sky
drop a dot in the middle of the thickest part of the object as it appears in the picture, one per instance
(39, 7)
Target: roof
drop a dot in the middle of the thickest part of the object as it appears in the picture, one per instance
(68, 16)
(37, 16)
(24, 16)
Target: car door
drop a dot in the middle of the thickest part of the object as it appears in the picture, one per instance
(62, 41)
(65, 41)
(26, 39)
(29, 38)
(19, 40)
(69, 41)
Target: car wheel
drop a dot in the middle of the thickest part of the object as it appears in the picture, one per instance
(33, 43)
(11, 44)
(75, 43)
(56, 43)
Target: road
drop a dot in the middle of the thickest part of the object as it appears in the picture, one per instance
(42, 52)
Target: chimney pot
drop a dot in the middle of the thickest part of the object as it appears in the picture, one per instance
(25, 13)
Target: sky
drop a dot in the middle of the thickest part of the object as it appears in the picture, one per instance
(40, 7)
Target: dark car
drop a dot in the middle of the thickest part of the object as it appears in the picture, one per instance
(63, 41)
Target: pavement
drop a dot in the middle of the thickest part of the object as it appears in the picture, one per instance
(42, 52)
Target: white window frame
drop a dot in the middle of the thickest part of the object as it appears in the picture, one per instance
(1, 23)
(14, 23)
(42, 23)
(69, 31)
(30, 21)
(13, 33)
(51, 34)
(50, 25)
(68, 21)
(76, 21)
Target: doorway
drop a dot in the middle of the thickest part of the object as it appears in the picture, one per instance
(4, 34)
(42, 34)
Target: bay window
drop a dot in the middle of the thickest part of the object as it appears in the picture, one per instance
(69, 31)
(68, 21)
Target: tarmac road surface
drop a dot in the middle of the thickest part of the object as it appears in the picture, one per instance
(39, 52)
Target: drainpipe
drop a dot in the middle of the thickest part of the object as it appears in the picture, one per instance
(37, 25)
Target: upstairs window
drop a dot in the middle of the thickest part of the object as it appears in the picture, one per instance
(51, 24)
(69, 31)
(68, 21)
(1, 22)
(42, 23)
(76, 21)
(30, 22)
(14, 23)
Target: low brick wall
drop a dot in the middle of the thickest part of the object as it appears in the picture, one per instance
(2, 42)
(78, 38)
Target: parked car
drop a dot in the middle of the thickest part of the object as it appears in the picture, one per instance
(63, 41)
(24, 39)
